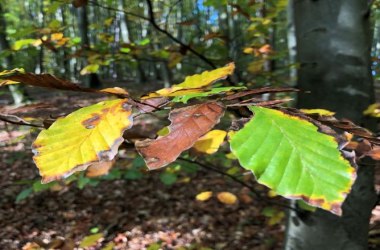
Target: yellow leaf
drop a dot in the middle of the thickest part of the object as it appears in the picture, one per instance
(164, 131)
(373, 110)
(7, 73)
(248, 50)
(324, 112)
(195, 82)
(109, 246)
(115, 90)
(210, 142)
(227, 198)
(207, 77)
(91, 68)
(56, 36)
(84, 137)
(204, 196)
(91, 240)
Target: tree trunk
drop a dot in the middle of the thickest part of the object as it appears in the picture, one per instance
(17, 91)
(91, 80)
(333, 49)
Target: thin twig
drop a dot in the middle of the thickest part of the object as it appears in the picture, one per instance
(152, 20)
(18, 121)
(119, 10)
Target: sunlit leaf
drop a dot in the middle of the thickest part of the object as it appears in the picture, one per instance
(290, 156)
(195, 82)
(210, 142)
(227, 198)
(86, 136)
(373, 110)
(188, 125)
(203, 196)
(91, 68)
(182, 96)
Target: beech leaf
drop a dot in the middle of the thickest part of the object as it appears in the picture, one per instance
(89, 135)
(193, 84)
(14, 76)
(290, 156)
(188, 125)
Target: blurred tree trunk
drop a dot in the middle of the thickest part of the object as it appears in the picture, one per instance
(140, 74)
(333, 49)
(92, 80)
(17, 91)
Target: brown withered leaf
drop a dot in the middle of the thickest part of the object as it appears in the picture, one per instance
(347, 126)
(53, 82)
(374, 153)
(188, 125)
(43, 80)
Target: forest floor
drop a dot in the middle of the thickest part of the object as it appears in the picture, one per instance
(128, 214)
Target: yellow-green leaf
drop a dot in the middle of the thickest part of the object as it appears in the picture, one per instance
(91, 68)
(91, 240)
(318, 111)
(373, 110)
(86, 136)
(290, 156)
(210, 142)
(207, 77)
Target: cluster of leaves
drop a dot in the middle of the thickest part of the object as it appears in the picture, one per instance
(294, 152)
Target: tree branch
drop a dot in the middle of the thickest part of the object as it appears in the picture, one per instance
(210, 167)
(152, 20)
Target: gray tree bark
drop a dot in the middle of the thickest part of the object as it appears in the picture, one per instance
(333, 49)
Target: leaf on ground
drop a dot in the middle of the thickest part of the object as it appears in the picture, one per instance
(84, 137)
(290, 156)
(193, 84)
(203, 196)
(188, 125)
(227, 198)
(91, 240)
(210, 142)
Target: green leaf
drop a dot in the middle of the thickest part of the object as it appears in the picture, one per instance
(168, 178)
(290, 156)
(24, 194)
